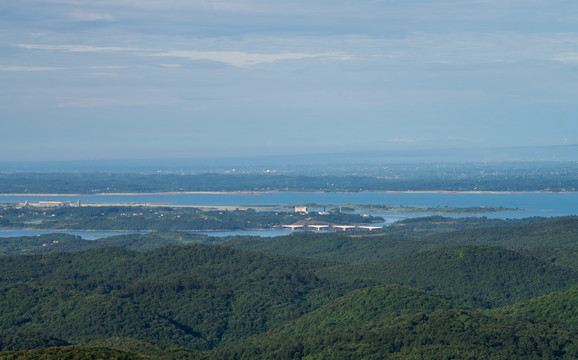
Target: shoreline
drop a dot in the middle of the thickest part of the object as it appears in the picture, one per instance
(133, 231)
(171, 193)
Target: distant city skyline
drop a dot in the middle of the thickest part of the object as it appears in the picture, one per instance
(140, 79)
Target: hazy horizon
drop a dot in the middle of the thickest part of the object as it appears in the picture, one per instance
(146, 79)
(325, 162)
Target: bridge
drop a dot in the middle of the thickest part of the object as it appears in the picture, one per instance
(331, 227)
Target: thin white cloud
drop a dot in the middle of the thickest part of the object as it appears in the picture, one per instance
(53, 68)
(106, 102)
(570, 57)
(415, 49)
(242, 6)
(76, 48)
(242, 59)
(89, 16)
(110, 67)
(234, 58)
(103, 75)
(29, 68)
(403, 140)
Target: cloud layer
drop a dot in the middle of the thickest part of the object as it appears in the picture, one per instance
(234, 58)
(317, 75)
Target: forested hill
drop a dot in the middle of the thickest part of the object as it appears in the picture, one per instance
(525, 260)
(554, 232)
(477, 276)
(384, 322)
(552, 240)
(417, 325)
(342, 248)
(388, 296)
(194, 296)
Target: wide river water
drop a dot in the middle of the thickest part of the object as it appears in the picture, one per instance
(531, 204)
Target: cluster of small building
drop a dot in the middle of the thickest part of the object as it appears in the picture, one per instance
(54, 242)
(51, 203)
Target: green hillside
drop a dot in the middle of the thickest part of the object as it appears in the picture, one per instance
(478, 276)
(553, 233)
(383, 322)
(382, 325)
(559, 308)
(72, 353)
(553, 240)
(371, 304)
(61, 242)
(331, 246)
(366, 296)
(194, 296)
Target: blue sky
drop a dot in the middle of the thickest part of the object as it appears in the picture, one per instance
(126, 79)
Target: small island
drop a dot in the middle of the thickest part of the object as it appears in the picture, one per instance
(442, 210)
(43, 216)
(384, 208)
(150, 217)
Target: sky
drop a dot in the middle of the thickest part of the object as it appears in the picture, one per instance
(138, 79)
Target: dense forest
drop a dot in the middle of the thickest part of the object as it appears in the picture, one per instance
(428, 288)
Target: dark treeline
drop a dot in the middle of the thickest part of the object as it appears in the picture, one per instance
(91, 183)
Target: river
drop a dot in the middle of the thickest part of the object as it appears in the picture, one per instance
(531, 204)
